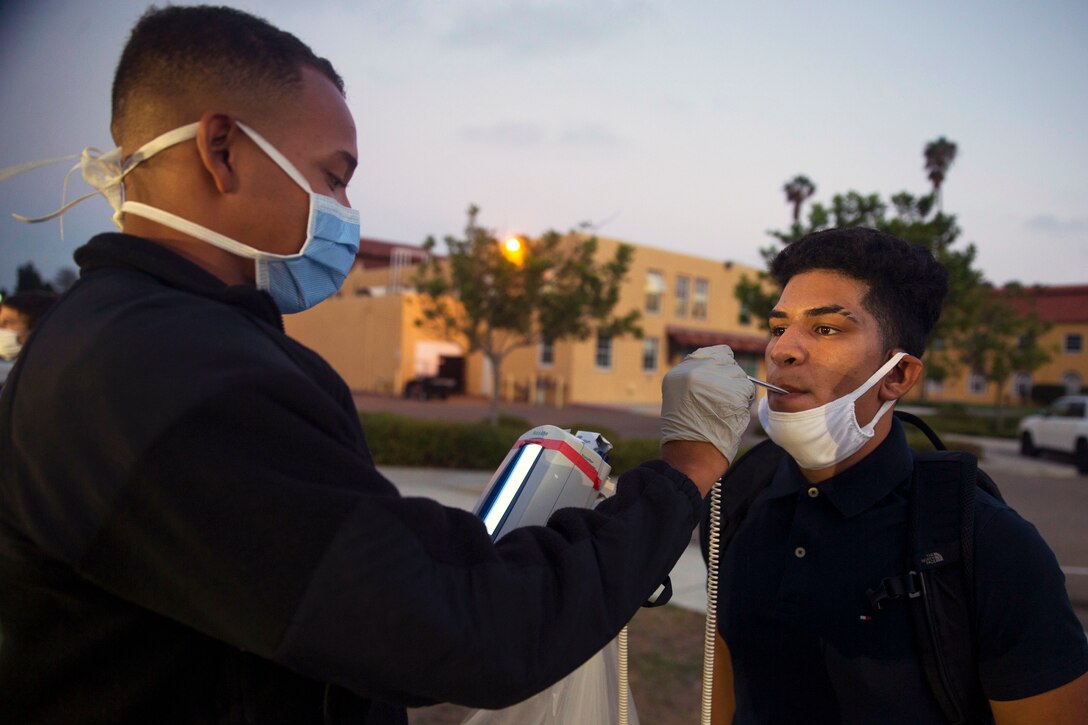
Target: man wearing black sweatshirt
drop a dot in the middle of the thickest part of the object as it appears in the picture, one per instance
(191, 525)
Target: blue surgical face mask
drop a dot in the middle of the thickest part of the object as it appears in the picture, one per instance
(295, 281)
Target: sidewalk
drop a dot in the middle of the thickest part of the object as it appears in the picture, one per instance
(461, 489)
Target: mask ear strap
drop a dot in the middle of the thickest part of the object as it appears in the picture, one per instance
(105, 171)
(276, 156)
(884, 370)
(877, 377)
(13, 171)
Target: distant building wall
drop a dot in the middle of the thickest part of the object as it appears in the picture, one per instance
(685, 302)
(368, 333)
(1065, 307)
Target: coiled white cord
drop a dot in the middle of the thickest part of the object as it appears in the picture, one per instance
(711, 602)
(621, 662)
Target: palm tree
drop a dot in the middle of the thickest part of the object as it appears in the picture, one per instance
(798, 190)
(939, 156)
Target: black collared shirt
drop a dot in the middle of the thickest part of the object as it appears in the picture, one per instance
(808, 647)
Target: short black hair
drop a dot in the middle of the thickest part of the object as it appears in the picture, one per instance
(174, 52)
(31, 305)
(907, 285)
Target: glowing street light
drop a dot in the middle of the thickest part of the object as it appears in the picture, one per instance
(514, 251)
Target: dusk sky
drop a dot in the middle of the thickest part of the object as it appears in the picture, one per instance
(672, 124)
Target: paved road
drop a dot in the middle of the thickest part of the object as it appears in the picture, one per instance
(1047, 492)
(1051, 494)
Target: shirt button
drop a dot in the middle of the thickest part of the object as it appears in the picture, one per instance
(800, 552)
(813, 492)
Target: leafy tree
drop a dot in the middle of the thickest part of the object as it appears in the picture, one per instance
(915, 219)
(912, 219)
(64, 278)
(1001, 342)
(798, 191)
(27, 278)
(939, 156)
(551, 288)
(757, 296)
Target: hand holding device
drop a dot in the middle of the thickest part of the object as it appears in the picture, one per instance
(707, 397)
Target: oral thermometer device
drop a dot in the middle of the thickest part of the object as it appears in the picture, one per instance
(547, 469)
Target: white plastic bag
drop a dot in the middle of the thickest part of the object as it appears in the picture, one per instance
(590, 694)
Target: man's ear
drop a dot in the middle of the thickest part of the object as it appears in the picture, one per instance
(215, 139)
(901, 379)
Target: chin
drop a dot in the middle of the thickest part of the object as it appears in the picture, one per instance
(792, 403)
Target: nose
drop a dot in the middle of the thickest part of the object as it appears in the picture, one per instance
(787, 349)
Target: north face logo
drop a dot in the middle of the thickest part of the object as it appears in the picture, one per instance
(932, 558)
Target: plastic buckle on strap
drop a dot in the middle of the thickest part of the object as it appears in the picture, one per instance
(893, 587)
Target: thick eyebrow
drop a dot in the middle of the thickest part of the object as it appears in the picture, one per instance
(350, 162)
(828, 310)
(776, 314)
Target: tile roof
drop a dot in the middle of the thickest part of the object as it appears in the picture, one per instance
(1056, 303)
(375, 253)
(739, 342)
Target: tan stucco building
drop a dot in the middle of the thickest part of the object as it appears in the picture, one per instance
(368, 332)
(1065, 308)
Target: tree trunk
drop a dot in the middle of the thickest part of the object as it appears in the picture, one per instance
(496, 390)
(999, 411)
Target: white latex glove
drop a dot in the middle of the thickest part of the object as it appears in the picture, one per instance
(707, 397)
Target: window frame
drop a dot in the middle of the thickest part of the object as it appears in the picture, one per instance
(682, 295)
(657, 295)
(605, 341)
(656, 363)
(700, 302)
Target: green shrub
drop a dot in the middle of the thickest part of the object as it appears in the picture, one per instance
(918, 441)
(511, 421)
(401, 441)
(397, 440)
(607, 432)
(627, 453)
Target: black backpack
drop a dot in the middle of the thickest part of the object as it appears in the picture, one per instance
(938, 578)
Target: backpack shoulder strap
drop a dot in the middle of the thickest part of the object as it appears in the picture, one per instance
(741, 485)
(942, 540)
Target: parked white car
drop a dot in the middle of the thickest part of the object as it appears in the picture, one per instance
(1063, 427)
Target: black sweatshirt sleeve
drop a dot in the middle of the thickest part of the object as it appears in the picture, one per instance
(251, 520)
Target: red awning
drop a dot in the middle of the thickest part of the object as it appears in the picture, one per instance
(740, 343)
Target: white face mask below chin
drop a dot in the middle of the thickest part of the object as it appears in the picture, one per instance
(826, 436)
(9, 344)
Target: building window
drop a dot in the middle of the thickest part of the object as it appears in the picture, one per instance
(655, 290)
(547, 353)
(1021, 385)
(604, 351)
(1074, 343)
(1071, 382)
(700, 299)
(650, 349)
(934, 386)
(976, 384)
(681, 308)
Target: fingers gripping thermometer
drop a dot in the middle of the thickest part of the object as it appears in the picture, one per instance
(548, 469)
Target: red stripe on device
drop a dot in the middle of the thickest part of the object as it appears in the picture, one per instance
(570, 454)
